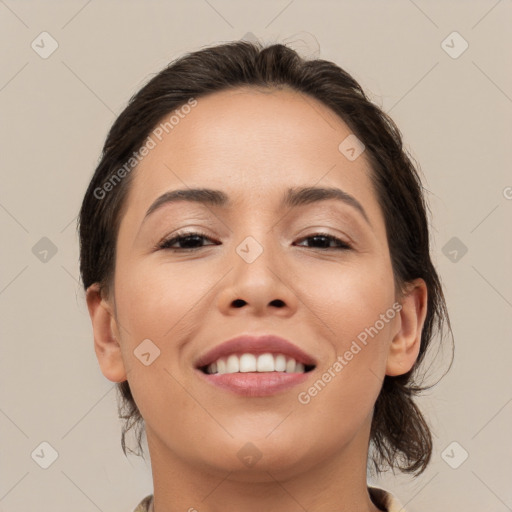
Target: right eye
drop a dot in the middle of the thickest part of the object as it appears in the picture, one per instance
(189, 239)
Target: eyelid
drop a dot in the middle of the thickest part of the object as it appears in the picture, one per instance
(347, 244)
(182, 234)
(325, 229)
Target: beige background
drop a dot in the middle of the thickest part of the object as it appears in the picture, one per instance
(455, 114)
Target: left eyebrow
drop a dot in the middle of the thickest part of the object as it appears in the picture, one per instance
(292, 198)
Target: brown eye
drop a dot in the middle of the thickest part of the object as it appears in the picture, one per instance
(324, 240)
(188, 241)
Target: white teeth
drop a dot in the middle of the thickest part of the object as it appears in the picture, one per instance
(280, 363)
(290, 365)
(247, 363)
(265, 363)
(255, 363)
(232, 364)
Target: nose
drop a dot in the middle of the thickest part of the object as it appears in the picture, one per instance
(260, 282)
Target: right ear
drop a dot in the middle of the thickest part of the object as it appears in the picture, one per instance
(106, 344)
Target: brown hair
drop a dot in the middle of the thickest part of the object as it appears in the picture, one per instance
(400, 436)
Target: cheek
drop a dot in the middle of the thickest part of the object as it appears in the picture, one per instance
(156, 302)
(153, 298)
(348, 296)
(352, 306)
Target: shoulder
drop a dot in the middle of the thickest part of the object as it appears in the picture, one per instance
(380, 497)
(146, 505)
(385, 500)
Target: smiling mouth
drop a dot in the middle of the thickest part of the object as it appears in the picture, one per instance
(255, 363)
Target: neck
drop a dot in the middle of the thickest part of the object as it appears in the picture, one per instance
(334, 482)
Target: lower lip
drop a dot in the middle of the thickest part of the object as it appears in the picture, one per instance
(253, 384)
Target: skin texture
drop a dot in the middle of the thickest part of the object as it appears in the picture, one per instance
(253, 145)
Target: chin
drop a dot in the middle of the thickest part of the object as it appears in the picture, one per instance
(258, 460)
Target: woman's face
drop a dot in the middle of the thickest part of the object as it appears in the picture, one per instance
(258, 271)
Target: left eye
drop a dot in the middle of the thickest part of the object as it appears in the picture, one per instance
(324, 238)
(190, 240)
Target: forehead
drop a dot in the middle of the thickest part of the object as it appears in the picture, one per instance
(250, 141)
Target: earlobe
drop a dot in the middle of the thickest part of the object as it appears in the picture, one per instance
(405, 346)
(106, 344)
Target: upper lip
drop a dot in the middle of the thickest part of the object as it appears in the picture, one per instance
(267, 343)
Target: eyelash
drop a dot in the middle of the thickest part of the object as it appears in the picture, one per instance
(166, 244)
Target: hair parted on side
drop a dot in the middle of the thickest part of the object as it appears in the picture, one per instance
(400, 436)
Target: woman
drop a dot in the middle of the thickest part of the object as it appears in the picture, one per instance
(255, 254)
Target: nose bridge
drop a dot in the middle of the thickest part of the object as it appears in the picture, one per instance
(256, 233)
(256, 257)
(259, 272)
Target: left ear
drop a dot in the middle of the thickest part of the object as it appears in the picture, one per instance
(405, 346)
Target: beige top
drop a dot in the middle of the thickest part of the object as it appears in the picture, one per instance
(381, 498)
